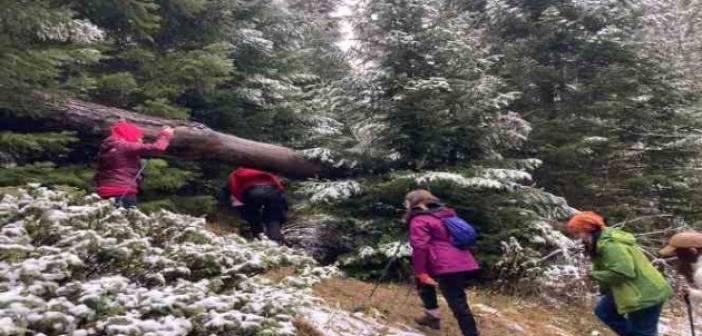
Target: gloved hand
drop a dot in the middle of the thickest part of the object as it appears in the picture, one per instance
(425, 279)
(235, 202)
(167, 131)
(683, 291)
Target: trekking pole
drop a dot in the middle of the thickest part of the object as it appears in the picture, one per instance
(689, 314)
(135, 179)
(382, 277)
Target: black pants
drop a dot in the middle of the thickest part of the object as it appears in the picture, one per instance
(126, 201)
(453, 287)
(265, 207)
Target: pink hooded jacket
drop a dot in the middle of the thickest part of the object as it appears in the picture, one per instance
(432, 251)
(119, 159)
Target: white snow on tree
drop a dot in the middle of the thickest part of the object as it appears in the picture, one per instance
(79, 266)
(322, 191)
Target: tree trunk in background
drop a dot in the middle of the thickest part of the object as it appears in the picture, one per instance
(191, 141)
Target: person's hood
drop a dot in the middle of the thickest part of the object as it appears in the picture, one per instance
(617, 235)
(126, 131)
(436, 210)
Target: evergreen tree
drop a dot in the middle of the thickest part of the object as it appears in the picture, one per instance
(425, 112)
(43, 47)
(603, 111)
(243, 67)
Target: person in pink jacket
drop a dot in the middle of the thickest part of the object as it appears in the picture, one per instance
(436, 262)
(119, 162)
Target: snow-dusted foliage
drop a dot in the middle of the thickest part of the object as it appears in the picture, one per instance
(250, 39)
(546, 205)
(82, 267)
(329, 157)
(672, 35)
(379, 253)
(76, 31)
(329, 191)
(482, 179)
(324, 155)
(511, 130)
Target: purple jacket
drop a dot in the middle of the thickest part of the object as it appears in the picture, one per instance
(432, 251)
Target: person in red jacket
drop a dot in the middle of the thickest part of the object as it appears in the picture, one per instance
(260, 198)
(119, 162)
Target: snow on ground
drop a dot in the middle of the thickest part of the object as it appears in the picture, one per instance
(78, 266)
(679, 325)
(337, 322)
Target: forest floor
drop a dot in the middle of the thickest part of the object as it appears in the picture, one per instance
(497, 313)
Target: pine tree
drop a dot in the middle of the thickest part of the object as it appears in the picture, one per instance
(426, 112)
(43, 47)
(601, 108)
(244, 67)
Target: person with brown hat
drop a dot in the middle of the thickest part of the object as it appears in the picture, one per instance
(687, 246)
(634, 289)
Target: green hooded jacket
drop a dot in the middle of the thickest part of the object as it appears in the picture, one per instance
(621, 267)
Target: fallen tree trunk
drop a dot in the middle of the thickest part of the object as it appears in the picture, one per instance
(191, 141)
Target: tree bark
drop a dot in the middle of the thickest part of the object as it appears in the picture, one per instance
(191, 141)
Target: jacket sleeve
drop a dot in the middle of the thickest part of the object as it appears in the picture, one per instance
(233, 186)
(278, 183)
(618, 265)
(696, 293)
(419, 240)
(695, 296)
(160, 145)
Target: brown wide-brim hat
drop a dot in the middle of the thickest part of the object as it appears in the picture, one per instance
(682, 240)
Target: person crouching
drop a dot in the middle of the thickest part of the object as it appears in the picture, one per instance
(634, 290)
(260, 198)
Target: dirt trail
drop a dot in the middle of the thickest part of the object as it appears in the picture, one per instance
(497, 314)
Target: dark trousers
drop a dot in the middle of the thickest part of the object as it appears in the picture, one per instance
(125, 201)
(265, 208)
(642, 322)
(453, 287)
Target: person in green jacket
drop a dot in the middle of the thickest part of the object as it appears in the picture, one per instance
(634, 289)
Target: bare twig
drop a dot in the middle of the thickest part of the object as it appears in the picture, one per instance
(638, 219)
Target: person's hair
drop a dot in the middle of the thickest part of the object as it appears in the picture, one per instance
(685, 261)
(418, 198)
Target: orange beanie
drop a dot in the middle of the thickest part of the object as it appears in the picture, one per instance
(585, 221)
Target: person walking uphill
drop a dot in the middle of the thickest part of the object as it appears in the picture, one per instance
(634, 289)
(119, 162)
(687, 246)
(261, 200)
(437, 262)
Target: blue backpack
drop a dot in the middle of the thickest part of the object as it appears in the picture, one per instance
(463, 235)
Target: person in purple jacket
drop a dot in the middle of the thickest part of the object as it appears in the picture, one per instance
(437, 262)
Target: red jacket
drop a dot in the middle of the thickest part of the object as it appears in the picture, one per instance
(432, 250)
(243, 179)
(119, 161)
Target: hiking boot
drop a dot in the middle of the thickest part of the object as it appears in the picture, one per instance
(429, 321)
